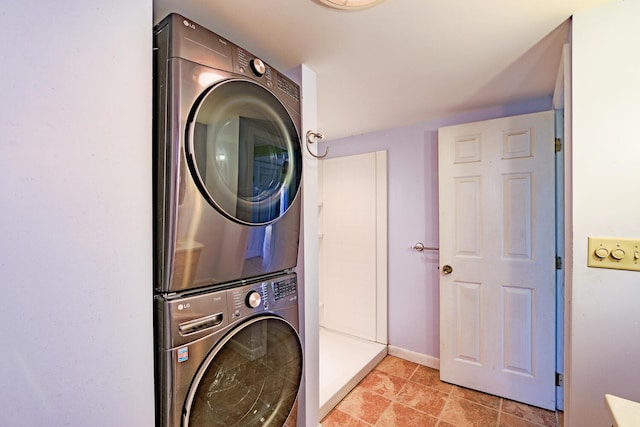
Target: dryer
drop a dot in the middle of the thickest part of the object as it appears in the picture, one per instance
(228, 162)
(230, 357)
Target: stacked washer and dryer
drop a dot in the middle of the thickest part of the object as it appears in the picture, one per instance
(227, 182)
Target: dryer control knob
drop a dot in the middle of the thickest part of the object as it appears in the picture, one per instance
(253, 299)
(257, 67)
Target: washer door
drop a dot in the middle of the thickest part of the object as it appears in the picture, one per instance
(244, 152)
(251, 378)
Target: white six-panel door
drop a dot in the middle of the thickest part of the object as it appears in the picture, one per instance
(497, 233)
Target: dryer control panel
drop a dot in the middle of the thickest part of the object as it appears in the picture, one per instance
(249, 65)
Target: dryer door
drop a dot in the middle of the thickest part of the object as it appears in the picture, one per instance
(244, 152)
(251, 378)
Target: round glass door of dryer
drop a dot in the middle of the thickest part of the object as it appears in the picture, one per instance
(243, 150)
(251, 378)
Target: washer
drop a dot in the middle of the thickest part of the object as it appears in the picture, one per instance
(230, 357)
(228, 162)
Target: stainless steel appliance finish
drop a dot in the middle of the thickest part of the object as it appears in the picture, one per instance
(230, 357)
(228, 162)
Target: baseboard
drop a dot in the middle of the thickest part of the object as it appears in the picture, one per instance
(412, 356)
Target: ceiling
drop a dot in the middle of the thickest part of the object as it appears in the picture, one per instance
(403, 61)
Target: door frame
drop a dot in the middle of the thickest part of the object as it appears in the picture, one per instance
(562, 107)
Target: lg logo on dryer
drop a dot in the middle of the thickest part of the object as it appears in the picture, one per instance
(189, 24)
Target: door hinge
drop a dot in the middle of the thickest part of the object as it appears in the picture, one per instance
(559, 379)
(558, 145)
(558, 263)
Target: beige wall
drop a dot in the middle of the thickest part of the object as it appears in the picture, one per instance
(75, 228)
(605, 322)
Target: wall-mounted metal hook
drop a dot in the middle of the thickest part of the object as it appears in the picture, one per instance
(312, 138)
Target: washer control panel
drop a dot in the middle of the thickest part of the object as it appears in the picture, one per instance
(262, 296)
(285, 288)
(191, 317)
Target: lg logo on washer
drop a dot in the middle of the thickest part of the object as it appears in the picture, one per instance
(183, 306)
(189, 24)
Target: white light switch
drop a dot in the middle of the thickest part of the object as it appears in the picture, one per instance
(614, 252)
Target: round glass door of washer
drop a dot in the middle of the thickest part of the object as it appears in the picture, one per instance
(251, 378)
(243, 150)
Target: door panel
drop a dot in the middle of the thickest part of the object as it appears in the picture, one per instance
(516, 225)
(468, 226)
(497, 233)
(469, 322)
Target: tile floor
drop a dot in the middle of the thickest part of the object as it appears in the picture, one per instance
(402, 393)
(344, 362)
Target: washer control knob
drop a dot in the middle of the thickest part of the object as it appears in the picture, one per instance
(617, 254)
(253, 299)
(257, 67)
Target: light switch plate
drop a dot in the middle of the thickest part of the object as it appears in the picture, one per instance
(617, 253)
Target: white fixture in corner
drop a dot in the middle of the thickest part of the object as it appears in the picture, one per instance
(625, 413)
(351, 4)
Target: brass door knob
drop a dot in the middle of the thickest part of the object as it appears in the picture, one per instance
(447, 269)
